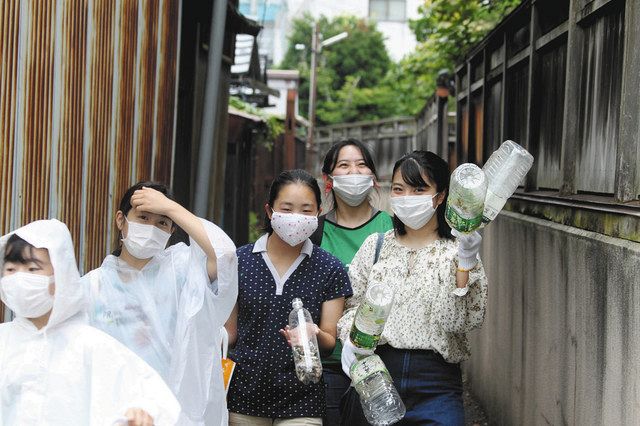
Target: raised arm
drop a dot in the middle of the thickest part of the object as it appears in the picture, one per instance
(150, 200)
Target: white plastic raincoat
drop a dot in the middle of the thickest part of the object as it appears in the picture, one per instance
(170, 313)
(69, 373)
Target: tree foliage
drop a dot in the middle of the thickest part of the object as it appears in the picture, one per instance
(357, 80)
(445, 31)
(453, 26)
(359, 62)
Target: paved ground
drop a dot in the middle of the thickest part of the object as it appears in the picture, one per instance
(473, 412)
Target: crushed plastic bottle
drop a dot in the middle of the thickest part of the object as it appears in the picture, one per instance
(505, 169)
(372, 315)
(304, 344)
(465, 204)
(379, 398)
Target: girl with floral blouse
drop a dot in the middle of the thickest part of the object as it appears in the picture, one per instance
(440, 294)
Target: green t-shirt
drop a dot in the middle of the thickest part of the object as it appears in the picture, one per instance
(343, 243)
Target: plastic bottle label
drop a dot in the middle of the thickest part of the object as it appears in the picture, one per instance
(459, 222)
(365, 368)
(367, 326)
(493, 204)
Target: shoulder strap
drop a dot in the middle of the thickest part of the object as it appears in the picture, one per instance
(316, 237)
(378, 247)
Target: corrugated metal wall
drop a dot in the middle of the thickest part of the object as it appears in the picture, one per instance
(87, 107)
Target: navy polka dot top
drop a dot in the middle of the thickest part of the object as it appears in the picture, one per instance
(264, 382)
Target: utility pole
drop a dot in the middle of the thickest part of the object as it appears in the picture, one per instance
(311, 149)
(316, 48)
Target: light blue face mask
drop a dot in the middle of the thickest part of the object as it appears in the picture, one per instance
(413, 210)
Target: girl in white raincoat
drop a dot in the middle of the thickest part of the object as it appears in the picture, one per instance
(167, 304)
(54, 368)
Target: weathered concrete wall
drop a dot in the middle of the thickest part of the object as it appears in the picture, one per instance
(561, 339)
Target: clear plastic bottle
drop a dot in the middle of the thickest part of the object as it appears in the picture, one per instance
(505, 169)
(304, 344)
(372, 315)
(467, 190)
(380, 401)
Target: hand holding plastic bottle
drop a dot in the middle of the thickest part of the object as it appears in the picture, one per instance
(349, 355)
(468, 249)
(293, 335)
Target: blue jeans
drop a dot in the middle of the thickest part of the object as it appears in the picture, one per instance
(336, 386)
(430, 388)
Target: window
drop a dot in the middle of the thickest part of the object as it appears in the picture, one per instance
(387, 10)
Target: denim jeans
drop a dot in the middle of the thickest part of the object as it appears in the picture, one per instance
(336, 385)
(430, 388)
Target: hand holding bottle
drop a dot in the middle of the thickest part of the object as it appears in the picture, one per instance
(468, 249)
(350, 354)
(293, 335)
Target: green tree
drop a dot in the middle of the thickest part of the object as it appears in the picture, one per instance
(358, 62)
(445, 31)
(456, 25)
(357, 80)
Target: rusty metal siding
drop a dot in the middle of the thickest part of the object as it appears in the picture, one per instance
(98, 116)
(87, 87)
(166, 94)
(148, 32)
(9, 34)
(35, 112)
(126, 53)
(68, 168)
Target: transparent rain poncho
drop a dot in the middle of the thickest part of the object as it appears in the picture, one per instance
(69, 373)
(170, 313)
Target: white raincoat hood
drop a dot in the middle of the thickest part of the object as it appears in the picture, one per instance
(69, 373)
(53, 235)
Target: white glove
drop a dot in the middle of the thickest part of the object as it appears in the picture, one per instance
(349, 352)
(468, 248)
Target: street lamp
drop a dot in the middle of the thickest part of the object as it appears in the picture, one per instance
(316, 48)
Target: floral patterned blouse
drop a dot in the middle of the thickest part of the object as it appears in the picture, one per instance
(429, 311)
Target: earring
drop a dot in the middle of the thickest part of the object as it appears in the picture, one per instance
(328, 187)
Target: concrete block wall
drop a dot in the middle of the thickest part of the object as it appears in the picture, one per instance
(561, 339)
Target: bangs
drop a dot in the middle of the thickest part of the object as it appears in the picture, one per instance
(411, 173)
(19, 251)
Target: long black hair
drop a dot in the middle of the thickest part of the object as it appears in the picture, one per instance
(125, 207)
(286, 178)
(411, 167)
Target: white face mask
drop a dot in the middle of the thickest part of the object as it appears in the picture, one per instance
(413, 210)
(352, 189)
(145, 241)
(293, 228)
(27, 294)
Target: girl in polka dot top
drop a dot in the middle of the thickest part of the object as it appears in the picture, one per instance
(282, 265)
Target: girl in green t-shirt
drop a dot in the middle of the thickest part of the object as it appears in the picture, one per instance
(349, 175)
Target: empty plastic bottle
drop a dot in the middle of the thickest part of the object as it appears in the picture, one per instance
(371, 316)
(304, 344)
(378, 396)
(467, 190)
(505, 169)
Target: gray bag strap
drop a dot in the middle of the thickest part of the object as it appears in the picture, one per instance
(378, 247)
